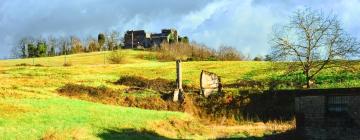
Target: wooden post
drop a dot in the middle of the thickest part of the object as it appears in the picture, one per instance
(65, 58)
(132, 39)
(178, 91)
(104, 56)
(178, 74)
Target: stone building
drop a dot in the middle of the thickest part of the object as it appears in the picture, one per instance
(133, 39)
(328, 114)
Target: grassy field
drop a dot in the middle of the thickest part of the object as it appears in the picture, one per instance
(31, 108)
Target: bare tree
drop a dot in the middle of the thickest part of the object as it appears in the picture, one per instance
(76, 45)
(315, 41)
(92, 44)
(20, 49)
(52, 42)
(64, 44)
(228, 53)
(112, 40)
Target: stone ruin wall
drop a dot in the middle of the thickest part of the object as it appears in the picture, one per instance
(315, 123)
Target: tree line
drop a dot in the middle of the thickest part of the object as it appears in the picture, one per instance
(30, 47)
(192, 51)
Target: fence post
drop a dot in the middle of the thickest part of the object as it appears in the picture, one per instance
(64, 59)
(104, 56)
(178, 74)
(178, 91)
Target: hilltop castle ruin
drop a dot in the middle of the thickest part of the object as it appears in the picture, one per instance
(135, 38)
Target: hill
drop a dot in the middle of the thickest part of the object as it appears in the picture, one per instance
(31, 106)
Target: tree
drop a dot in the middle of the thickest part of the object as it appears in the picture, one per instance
(52, 42)
(268, 57)
(76, 45)
(92, 44)
(112, 40)
(41, 49)
(32, 51)
(171, 37)
(227, 53)
(64, 44)
(258, 58)
(185, 39)
(314, 41)
(101, 39)
(20, 50)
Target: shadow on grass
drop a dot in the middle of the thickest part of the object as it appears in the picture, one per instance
(288, 135)
(130, 134)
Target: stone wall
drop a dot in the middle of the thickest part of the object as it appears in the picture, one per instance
(328, 117)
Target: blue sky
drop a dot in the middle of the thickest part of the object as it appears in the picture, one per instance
(244, 24)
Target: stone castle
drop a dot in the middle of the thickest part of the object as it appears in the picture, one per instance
(140, 38)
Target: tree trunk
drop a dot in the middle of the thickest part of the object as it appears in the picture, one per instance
(307, 79)
(307, 83)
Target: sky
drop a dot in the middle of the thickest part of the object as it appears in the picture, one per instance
(244, 24)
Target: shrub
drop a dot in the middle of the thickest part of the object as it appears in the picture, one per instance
(67, 64)
(184, 51)
(196, 52)
(23, 64)
(105, 95)
(38, 65)
(227, 53)
(258, 58)
(116, 57)
(149, 56)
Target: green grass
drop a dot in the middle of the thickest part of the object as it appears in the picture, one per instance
(30, 107)
(61, 114)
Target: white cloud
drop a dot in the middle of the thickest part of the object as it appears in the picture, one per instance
(241, 25)
(194, 19)
(244, 24)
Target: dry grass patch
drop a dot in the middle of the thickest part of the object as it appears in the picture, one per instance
(193, 129)
(158, 84)
(23, 64)
(106, 95)
(74, 134)
(7, 110)
(100, 94)
(180, 128)
(67, 64)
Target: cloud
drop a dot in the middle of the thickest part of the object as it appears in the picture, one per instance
(245, 24)
(85, 17)
(194, 19)
(240, 24)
